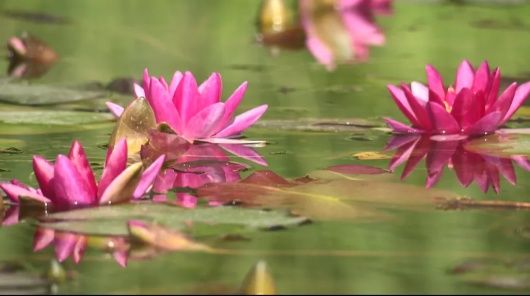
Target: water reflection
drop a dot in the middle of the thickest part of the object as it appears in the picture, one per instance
(468, 166)
(334, 31)
(29, 57)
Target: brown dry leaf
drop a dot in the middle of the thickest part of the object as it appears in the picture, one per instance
(134, 125)
(259, 281)
(163, 238)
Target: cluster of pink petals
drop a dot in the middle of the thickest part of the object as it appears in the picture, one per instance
(73, 245)
(196, 112)
(472, 106)
(358, 25)
(70, 182)
(468, 166)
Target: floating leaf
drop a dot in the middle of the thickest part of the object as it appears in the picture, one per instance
(163, 238)
(372, 155)
(324, 194)
(52, 117)
(113, 220)
(319, 125)
(501, 145)
(134, 124)
(36, 94)
(259, 281)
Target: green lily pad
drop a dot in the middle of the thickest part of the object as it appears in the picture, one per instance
(504, 145)
(52, 117)
(113, 220)
(30, 94)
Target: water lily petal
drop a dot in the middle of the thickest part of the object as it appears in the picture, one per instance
(211, 90)
(115, 109)
(435, 81)
(44, 174)
(419, 107)
(466, 108)
(400, 128)
(402, 154)
(242, 122)
(421, 149)
(444, 123)
(121, 189)
(115, 163)
(70, 186)
(163, 107)
(148, 177)
(505, 100)
(146, 82)
(520, 96)
(398, 141)
(177, 77)
(522, 161)
(465, 76)
(464, 163)
(78, 157)
(245, 152)
(485, 125)
(64, 245)
(15, 192)
(231, 105)
(138, 91)
(482, 78)
(203, 124)
(42, 238)
(437, 159)
(402, 102)
(493, 92)
(420, 91)
(186, 97)
(79, 248)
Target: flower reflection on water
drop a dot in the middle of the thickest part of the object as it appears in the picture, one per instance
(469, 167)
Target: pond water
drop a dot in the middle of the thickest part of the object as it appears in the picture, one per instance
(368, 233)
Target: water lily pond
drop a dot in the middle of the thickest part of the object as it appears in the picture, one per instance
(315, 189)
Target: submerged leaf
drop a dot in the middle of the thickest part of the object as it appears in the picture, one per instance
(52, 117)
(113, 220)
(259, 281)
(134, 125)
(35, 94)
(163, 238)
(324, 195)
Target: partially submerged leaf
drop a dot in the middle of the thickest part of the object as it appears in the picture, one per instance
(36, 94)
(134, 124)
(324, 195)
(52, 117)
(163, 238)
(113, 220)
(501, 145)
(259, 281)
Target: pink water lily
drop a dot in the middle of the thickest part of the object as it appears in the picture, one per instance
(341, 31)
(472, 106)
(70, 182)
(196, 112)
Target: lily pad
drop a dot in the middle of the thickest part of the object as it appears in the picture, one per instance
(326, 194)
(113, 220)
(52, 117)
(320, 125)
(503, 145)
(31, 94)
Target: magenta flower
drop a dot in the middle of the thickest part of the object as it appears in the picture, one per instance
(70, 182)
(468, 166)
(196, 113)
(471, 107)
(342, 32)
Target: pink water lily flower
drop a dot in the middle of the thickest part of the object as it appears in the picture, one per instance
(472, 106)
(196, 112)
(70, 182)
(341, 31)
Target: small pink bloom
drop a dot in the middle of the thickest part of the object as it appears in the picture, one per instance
(70, 182)
(472, 106)
(343, 32)
(195, 112)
